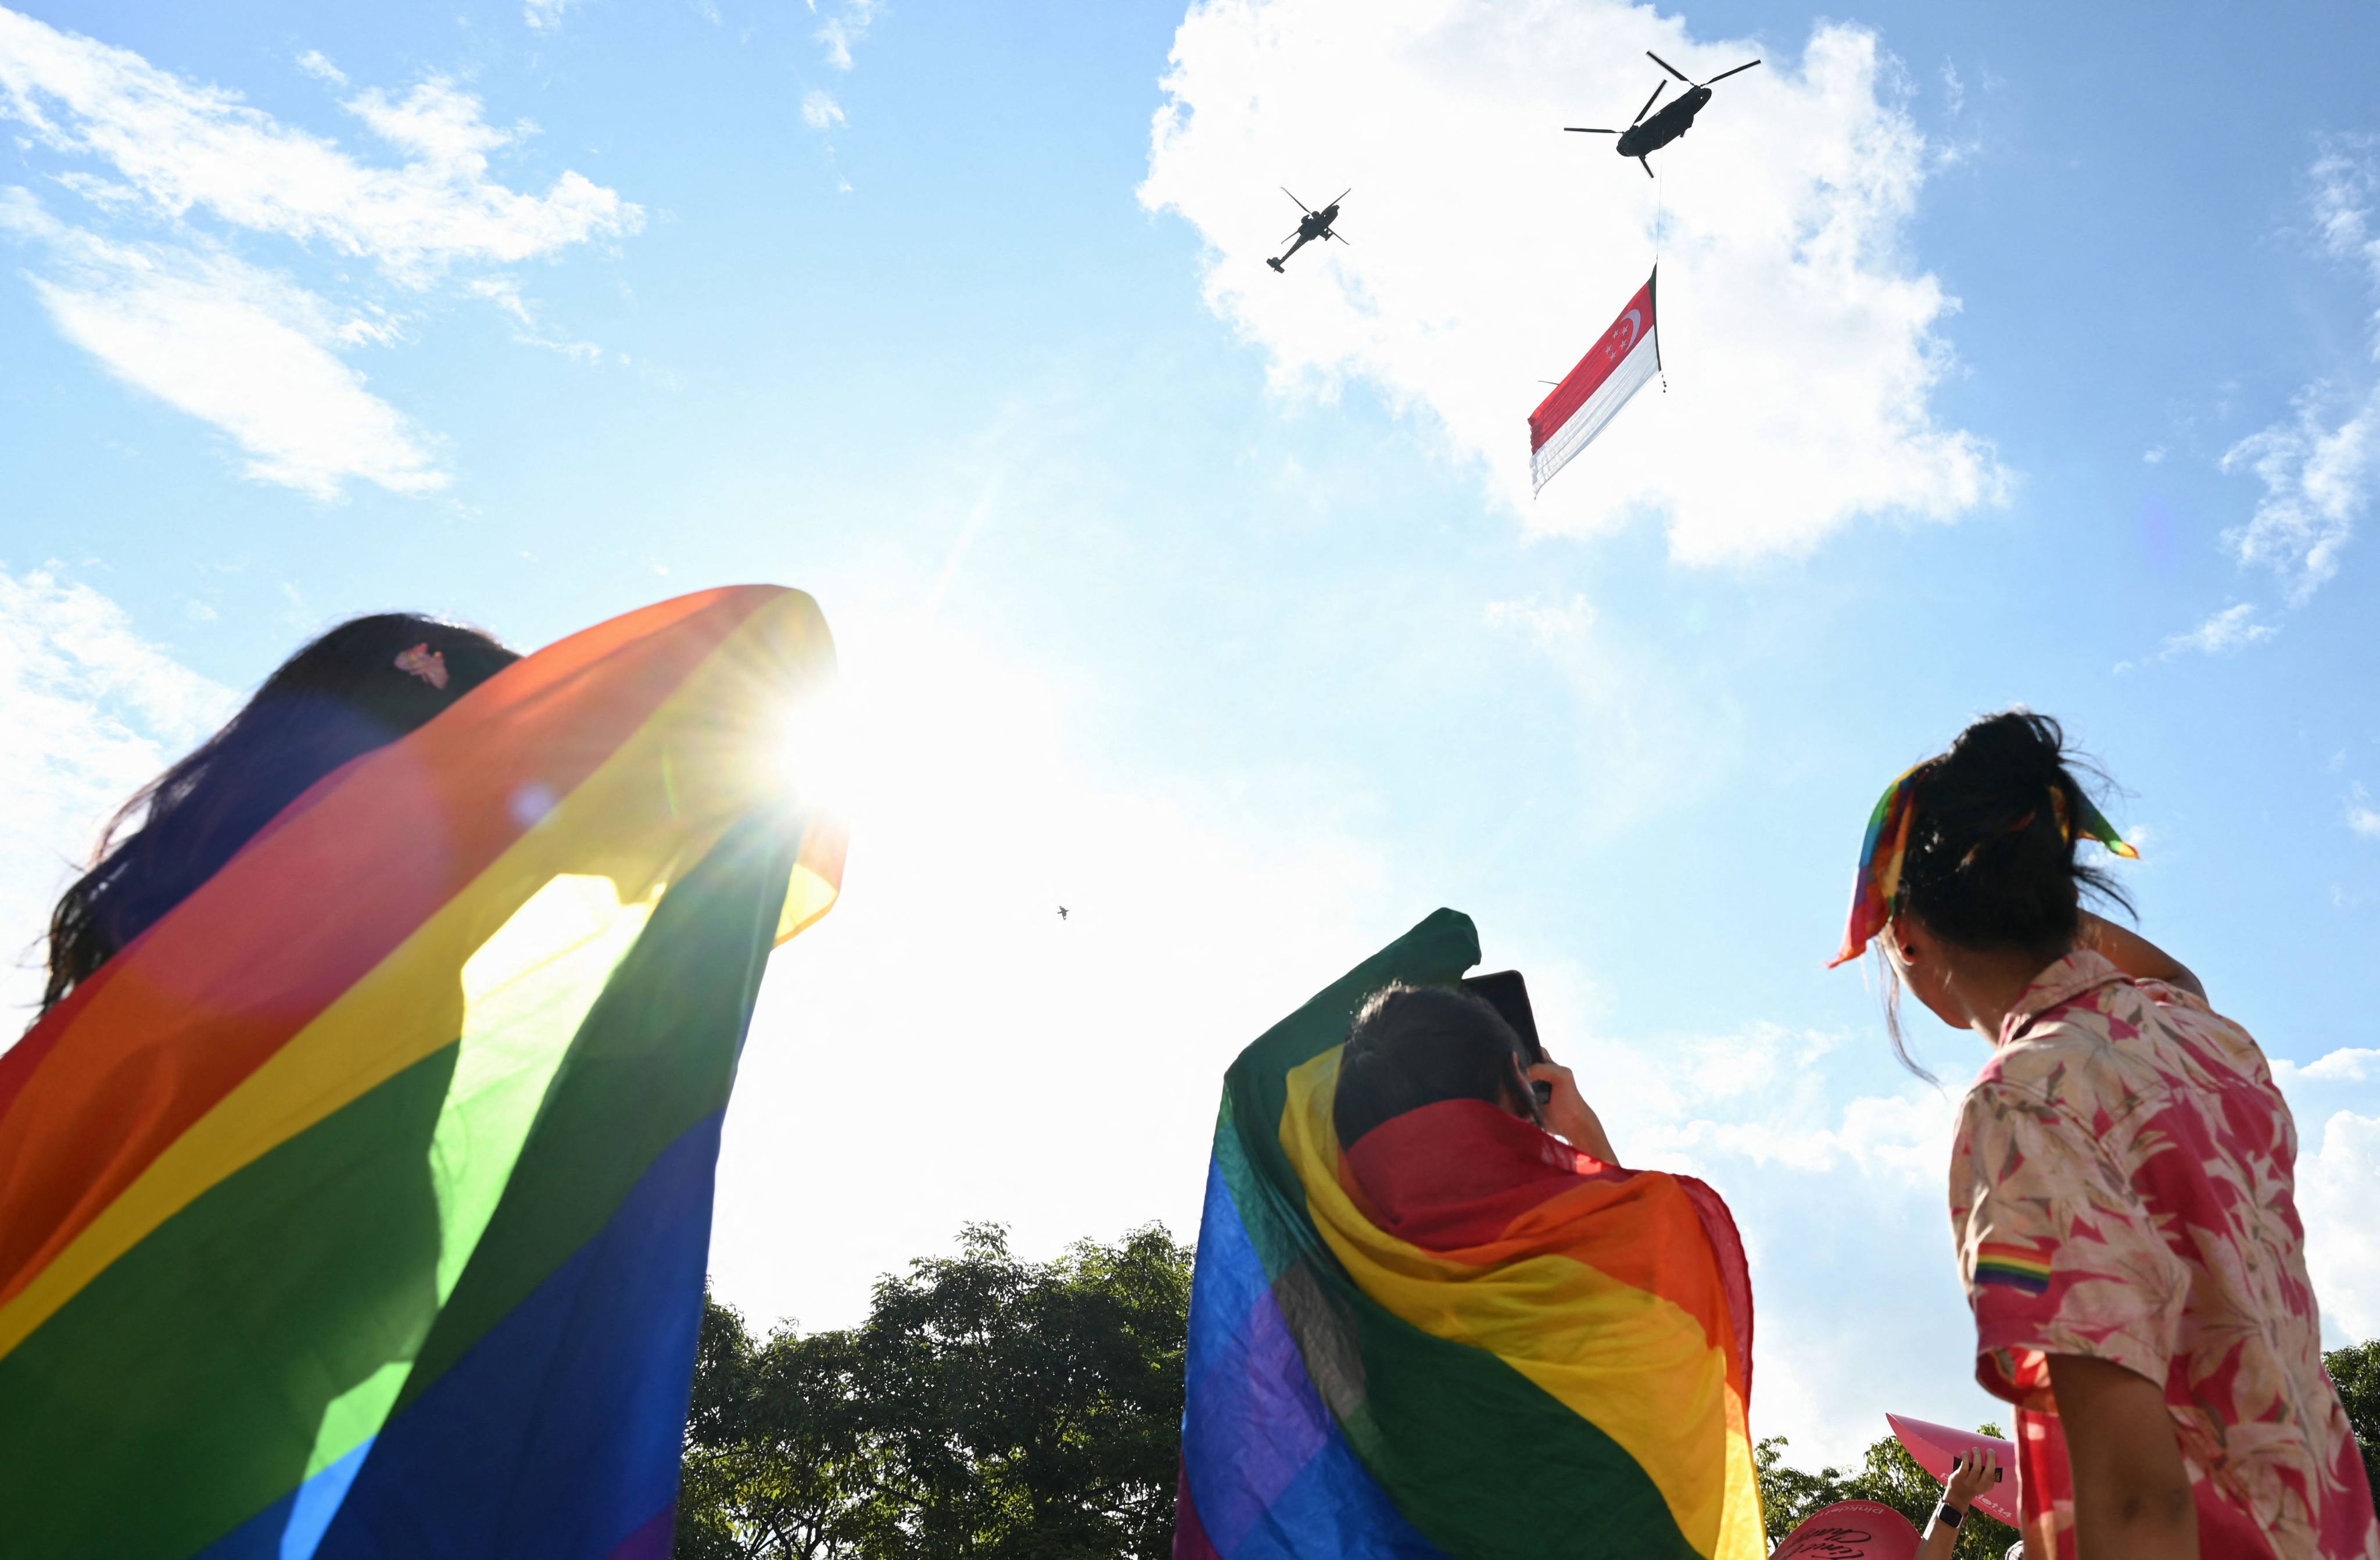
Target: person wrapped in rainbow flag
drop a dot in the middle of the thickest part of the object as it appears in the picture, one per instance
(355, 1183)
(1455, 1335)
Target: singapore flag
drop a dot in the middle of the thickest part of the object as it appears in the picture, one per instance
(1614, 369)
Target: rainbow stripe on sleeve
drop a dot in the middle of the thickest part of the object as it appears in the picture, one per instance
(361, 1207)
(2014, 1267)
(1575, 1386)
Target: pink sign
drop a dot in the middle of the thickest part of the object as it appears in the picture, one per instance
(1852, 1530)
(1936, 1446)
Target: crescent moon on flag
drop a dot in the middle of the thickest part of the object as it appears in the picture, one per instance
(1636, 323)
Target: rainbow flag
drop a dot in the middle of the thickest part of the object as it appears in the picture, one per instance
(361, 1207)
(1562, 1369)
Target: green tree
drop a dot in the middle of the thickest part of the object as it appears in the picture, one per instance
(2355, 1371)
(778, 1463)
(987, 1408)
(1887, 1475)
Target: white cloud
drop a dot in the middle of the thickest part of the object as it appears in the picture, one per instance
(544, 16)
(2345, 1064)
(505, 293)
(1782, 1122)
(93, 711)
(2317, 475)
(820, 110)
(2362, 816)
(2231, 630)
(315, 63)
(174, 309)
(2319, 465)
(184, 146)
(2338, 1185)
(2338, 1112)
(235, 346)
(842, 27)
(1489, 249)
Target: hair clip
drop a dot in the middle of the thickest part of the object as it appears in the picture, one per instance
(428, 665)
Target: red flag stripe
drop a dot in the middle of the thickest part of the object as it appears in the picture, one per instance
(1634, 324)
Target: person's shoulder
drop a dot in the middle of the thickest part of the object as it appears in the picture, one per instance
(2070, 1072)
(2192, 1039)
(2045, 1060)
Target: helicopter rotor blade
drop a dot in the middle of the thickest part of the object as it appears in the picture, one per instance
(1334, 234)
(1583, 130)
(1668, 67)
(1342, 194)
(1301, 205)
(1658, 88)
(1725, 74)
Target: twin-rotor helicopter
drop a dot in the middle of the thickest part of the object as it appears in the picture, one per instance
(1644, 136)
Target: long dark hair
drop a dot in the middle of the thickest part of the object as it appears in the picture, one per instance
(340, 697)
(1992, 862)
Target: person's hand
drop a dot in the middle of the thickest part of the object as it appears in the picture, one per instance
(1975, 1472)
(1567, 1114)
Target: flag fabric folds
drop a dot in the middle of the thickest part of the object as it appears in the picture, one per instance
(361, 1207)
(1559, 1368)
(1591, 394)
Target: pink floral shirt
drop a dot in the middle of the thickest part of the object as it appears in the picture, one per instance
(2122, 1188)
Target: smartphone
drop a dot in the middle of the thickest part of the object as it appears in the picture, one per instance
(1509, 995)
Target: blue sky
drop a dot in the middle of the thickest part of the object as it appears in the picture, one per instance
(2014, 355)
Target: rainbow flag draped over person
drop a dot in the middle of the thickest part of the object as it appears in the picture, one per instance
(361, 1207)
(1566, 1375)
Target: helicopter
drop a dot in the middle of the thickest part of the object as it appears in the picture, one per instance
(1644, 136)
(1312, 225)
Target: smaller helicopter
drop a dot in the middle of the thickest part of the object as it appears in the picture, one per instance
(1312, 225)
(1644, 136)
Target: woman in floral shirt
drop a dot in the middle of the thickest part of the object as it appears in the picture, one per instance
(2122, 1187)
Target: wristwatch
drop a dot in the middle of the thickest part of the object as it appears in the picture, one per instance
(1948, 1514)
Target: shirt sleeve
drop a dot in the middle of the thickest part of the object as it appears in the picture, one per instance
(2058, 1253)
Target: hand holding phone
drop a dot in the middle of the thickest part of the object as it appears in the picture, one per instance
(1509, 995)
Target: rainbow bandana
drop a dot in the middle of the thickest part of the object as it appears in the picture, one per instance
(1558, 1366)
(1886, 846)
(360, 1206)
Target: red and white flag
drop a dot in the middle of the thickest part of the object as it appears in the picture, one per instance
(1614, 369)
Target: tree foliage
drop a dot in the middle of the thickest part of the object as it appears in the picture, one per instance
(989, 1409)
(2355, 1371)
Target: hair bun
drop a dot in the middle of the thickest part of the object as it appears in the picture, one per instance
(1988, 865)
(2016, 751)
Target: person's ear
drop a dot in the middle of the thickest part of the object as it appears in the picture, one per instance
(1912, 946)
(1520, 1099)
